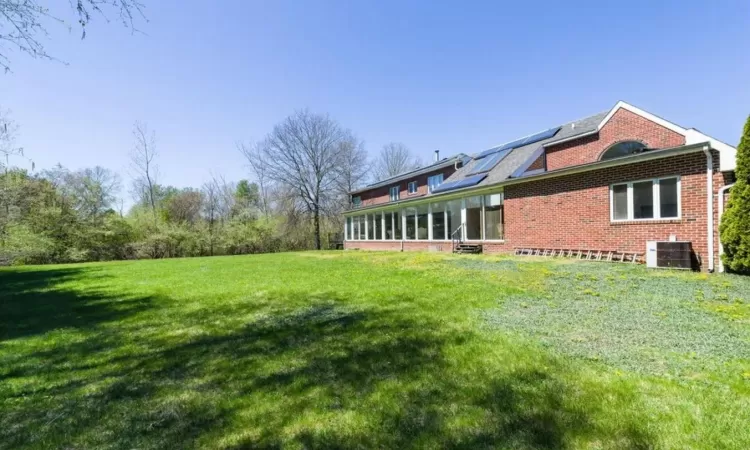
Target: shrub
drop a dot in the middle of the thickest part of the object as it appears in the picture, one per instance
(735, 223)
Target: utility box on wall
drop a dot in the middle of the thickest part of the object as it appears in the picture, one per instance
(669, 255)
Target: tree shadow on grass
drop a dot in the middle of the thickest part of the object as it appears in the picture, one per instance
(325, 375)
(33, 302)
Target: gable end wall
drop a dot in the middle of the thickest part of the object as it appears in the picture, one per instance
(623, 126)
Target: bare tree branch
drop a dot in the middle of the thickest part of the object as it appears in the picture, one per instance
(304, 154)
(143, 164)
(394, 159)
(23, 29)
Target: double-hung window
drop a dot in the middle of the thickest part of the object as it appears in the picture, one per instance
(434, 181)
(393, 193)
(658, 198)
(356, 201)
(412, 187)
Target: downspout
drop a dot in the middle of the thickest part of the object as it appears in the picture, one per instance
(721, 213)
(710, 205)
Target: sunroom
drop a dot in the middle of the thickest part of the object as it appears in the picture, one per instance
(469, 218)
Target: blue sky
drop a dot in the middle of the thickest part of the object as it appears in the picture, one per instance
(457, 76)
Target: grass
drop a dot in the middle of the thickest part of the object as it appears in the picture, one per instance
(363, 350)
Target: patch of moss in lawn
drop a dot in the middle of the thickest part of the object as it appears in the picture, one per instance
(659, 323)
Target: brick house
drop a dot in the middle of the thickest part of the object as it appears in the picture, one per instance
(609, 182)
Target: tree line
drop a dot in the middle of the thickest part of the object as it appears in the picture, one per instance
(299, 176)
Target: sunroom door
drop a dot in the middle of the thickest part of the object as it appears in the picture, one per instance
(474, 218)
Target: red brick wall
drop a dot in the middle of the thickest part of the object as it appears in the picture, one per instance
(538, 164)
(381, 195)
(494, 247)
(623, 126)
(574, 212)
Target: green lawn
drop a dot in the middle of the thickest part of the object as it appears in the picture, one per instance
(363, 350)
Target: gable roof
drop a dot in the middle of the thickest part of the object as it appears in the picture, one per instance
(443, 163)
(524, 154)
(692, 136)
(514, 166)
(520, 159)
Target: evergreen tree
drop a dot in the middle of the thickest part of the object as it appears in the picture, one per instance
(735, 223)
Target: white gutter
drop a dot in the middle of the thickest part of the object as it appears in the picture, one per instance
(721, 213)
(710, 204)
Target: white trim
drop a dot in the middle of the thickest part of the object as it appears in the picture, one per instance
(656, 197)
(710, 206)
(645, 114)
(409, 185)
(728, 154)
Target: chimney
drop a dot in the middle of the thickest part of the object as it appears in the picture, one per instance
(437, 155)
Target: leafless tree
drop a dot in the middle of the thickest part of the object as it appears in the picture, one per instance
(254, 153)
(143, 164)
(23, 23)
(8, 135)
(394, 159)
(211, 206)
(304, 152)
(225, 196)
(184, 207)
(95, 190)
(354, 168)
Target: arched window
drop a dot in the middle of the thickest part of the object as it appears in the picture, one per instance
(624, 148)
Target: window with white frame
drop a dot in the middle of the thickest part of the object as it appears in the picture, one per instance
(434, 181)
(657, 198)
(393, 193)
(356, 201)
(412, 187)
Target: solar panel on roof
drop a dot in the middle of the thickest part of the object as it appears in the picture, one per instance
(486, 164)
(488, 152)
(466, 182)
(520, 142)
(541, 136)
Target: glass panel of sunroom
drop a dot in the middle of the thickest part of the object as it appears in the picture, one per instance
(377, 226)
(411, 226)
(422, 223)
(493, 216)
(397, 225)
(370, 230)
(362, 228)
(388, 225)
(438, 221)
(474, 218)
(453, 216)
(355, 229)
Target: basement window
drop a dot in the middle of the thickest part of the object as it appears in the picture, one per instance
(657, 198)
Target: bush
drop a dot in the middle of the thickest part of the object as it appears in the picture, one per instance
(21, 245)
(735, 223)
